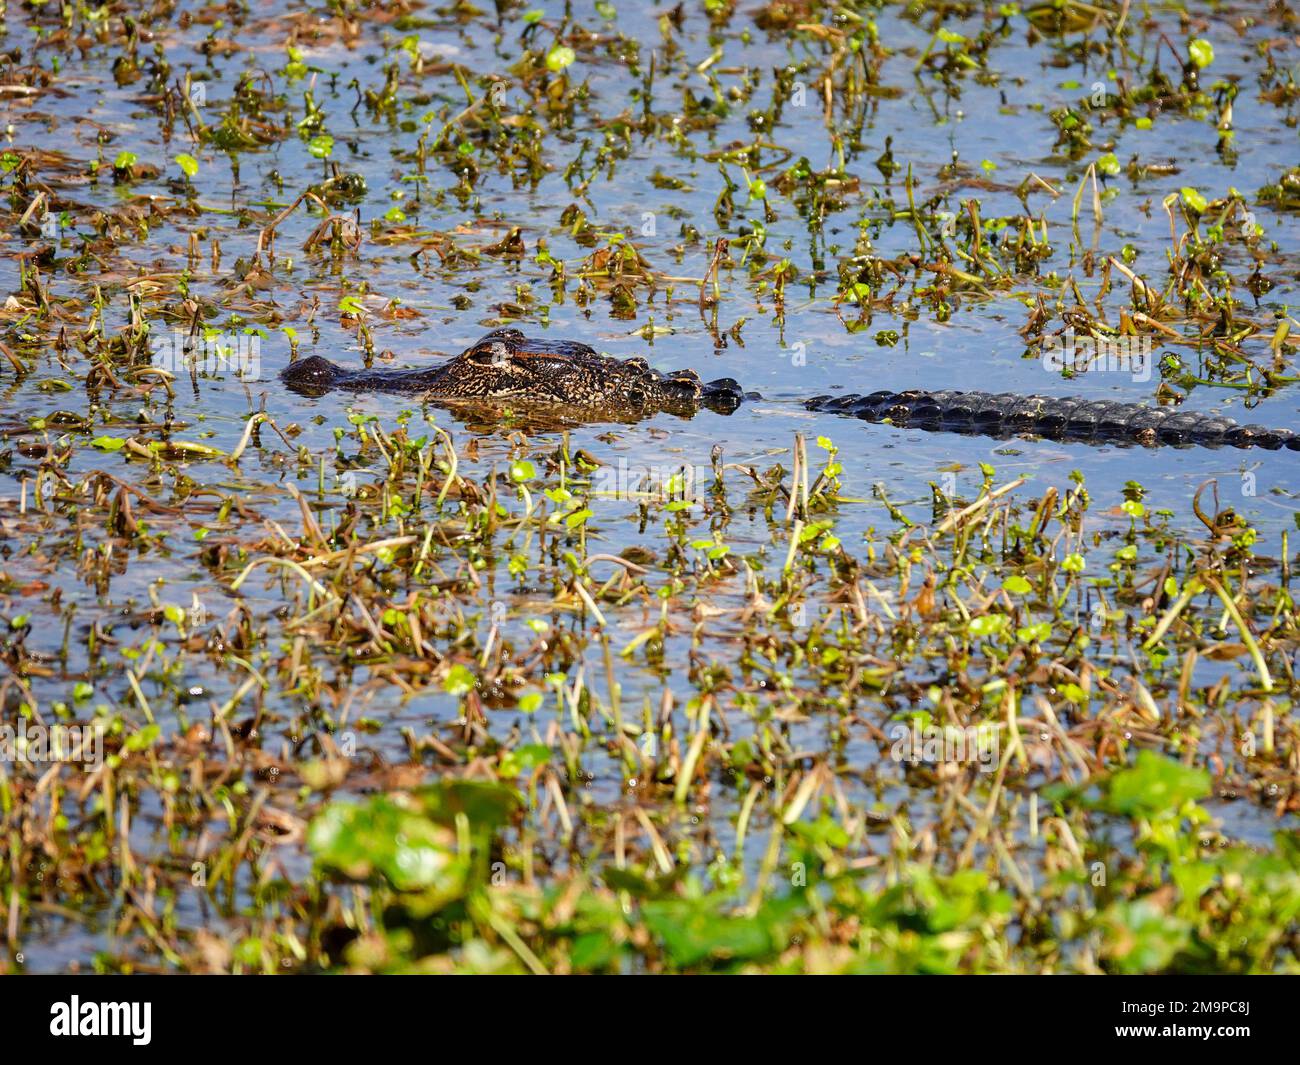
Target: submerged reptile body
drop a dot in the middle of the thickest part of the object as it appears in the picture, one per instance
(506, 365)
(1058, 418)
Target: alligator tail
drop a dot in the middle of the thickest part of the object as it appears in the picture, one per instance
(1066, 418)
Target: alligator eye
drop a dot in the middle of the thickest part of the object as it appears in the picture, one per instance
(495, 354)
(638, 364)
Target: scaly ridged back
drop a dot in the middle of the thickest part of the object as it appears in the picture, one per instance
(1063, 418)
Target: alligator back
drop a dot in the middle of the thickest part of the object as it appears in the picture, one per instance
(1058, 418)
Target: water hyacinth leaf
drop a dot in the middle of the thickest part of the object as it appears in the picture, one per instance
(1153, 785)
(694, 931)
(384, 837)
(560, 57)
(459, 681)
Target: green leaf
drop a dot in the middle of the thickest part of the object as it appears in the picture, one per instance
(1073, 563)
(523, 759)
(460, 681)
(188, 164)
(693, 930)
(145, 738)
(1155, 784)
(1141, 938)
(593, 950)
(388, 838)
(1202, 52)
(987, 624)
(1193, 199)
(1034, 633)
(560, 57)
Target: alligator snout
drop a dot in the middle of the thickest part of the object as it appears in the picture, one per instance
(311, 374)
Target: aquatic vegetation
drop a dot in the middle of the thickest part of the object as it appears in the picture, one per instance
(358, 682)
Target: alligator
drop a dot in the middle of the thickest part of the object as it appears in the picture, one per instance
(506, 365)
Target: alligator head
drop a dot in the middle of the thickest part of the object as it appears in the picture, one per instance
(506, 365)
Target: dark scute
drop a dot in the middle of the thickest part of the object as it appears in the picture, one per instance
(866, 407)
(924, 410)
(841, 402)
(1145, 420)
(959, 409)
(1115, 417)
(988, 410)
(1024, 411)
(1263, 436)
